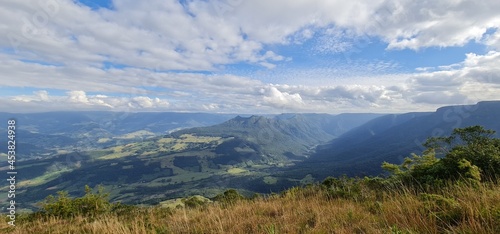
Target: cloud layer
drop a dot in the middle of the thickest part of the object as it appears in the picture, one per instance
(174, 55)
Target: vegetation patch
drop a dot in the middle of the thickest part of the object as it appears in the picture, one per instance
(137, 134)
(270, 180)
(236, 170)
(103, 140)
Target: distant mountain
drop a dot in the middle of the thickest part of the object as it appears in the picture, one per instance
(371, 128)
(43, 134)
(334, 125)
(150, 157)
(393, 137)
(242, 152)
(114, 123)
(283, 136)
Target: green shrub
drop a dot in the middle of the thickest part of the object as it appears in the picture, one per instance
(193, 202)
(292, 193)
(343, 187)
(229, 197)
(122, 209)
(470, 154)
(256, 196)
(475, 145)
(91, 204)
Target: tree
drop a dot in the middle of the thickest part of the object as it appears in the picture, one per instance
(469, 153)
(474, 145)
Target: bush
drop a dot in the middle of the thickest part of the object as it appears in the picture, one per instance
(194, 202)
(470, 154)
(343, 187)
(123, 209)
(91, 204)
(229, 197)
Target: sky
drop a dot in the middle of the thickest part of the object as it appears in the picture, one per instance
(248, 56)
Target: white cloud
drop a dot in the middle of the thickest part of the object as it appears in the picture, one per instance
(136, 34)
(440, 97)
(166, 35)
(68, 45)
(476, 78)
(267, 65)
(42, 95)
(418, 24)
(78, 97)
(275, 97)
(211, 107)
(146, 102)
(38, 96)
(493, 40)
(335, 40)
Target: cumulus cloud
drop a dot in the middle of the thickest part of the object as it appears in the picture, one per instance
(78, 96)
(38, 96)
(280, 99)
(341, 97)
(476, 78)
(80, 100)
(418, 24)
(493, 40)
(42, 95)
(146, 102)
(483, 68)
(435, 81)
(443, 97)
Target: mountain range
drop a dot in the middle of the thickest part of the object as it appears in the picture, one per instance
(393, 137)
(148, 158)
(49, 133)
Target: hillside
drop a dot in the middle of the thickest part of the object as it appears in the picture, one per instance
(254, 154)
(312, 209)
(243, 152)
(393, 137)
(189, 178)
(289, 135)
(48, 134)
(457, 193)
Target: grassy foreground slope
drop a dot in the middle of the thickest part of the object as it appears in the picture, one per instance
(455, 209)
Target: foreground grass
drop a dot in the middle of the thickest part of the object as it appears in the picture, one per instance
(314, 209)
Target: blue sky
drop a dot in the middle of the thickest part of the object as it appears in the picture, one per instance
(95, 5)
(241, 56)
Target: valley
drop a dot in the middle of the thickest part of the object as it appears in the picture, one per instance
(254, 154)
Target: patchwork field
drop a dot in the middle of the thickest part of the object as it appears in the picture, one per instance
(148, 171)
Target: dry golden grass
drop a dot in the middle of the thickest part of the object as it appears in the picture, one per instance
(475, 210)
(307, 210)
